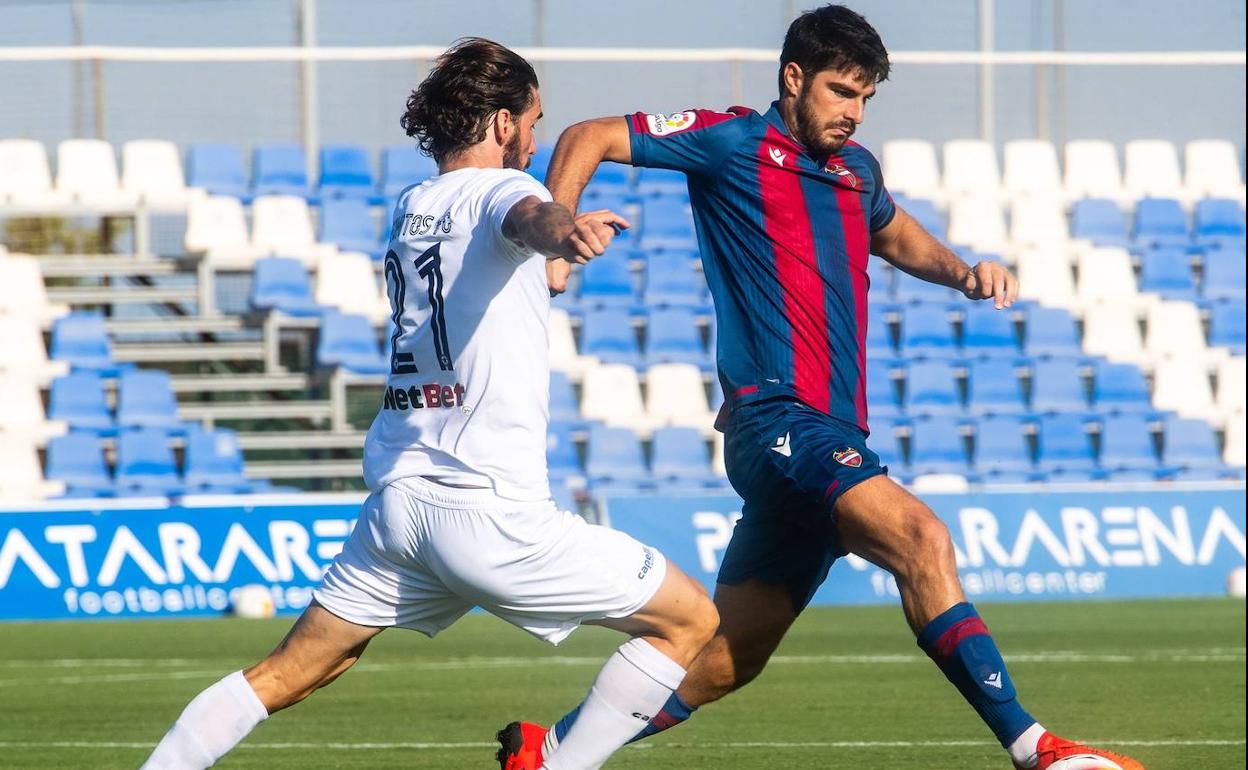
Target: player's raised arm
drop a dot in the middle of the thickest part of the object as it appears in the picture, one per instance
(580, 149)
(550, 228)
(905, 244)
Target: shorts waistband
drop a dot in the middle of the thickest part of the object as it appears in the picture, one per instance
(460, 497)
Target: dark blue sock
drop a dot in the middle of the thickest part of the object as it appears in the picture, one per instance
(959, 643)
(673, 713)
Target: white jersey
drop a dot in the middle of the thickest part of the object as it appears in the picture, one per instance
(466, 402)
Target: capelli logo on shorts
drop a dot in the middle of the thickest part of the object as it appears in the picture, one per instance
(848, 457)
(646, 565)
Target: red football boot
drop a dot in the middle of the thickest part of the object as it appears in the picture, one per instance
(520, 746)
(1060, 754)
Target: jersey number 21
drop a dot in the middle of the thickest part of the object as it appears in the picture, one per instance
(428, 266)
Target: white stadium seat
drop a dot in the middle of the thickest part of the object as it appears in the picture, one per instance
(978, 222)
(281, 225)
(21, 413)
(1152, 169)
(1106, 275)
(348, 282)
(1174, 329)
(1092, 170)
(152, 170)
(910, 168)
(971, 167)
(1213, 170)
(1236, 441)
(216, 226)
(717, 454)
(1038, 220)
(22, 353)
(87, 170)
(25, 179)
(1113, 330)
(563, 355)
(676, 395)
(612, 393)
(1044, 275)
(21, 478)
(22, 291)
(1182, 385)
(1231, 385)
(1031, 167)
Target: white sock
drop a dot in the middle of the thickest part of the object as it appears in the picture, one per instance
(210, 725)
(1023, 749)
(632, 687)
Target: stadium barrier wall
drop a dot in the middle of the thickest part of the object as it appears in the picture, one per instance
(114, 559)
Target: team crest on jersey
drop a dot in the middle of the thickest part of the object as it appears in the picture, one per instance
(844, 173)
(848, 457)
(662, 125)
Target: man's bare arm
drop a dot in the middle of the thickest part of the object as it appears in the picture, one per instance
(905, 244)
(580, 149)
(551, 229)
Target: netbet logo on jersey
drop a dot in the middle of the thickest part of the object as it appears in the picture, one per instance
(662, 125)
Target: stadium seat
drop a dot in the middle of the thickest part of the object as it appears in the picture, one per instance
(993, 388)
(346, 172)
(881, 390)
(81, 340)
(218, 169)
(1182, 385)
(931, 388)
(1160, 222)
(608, 282)
(1152, 168)
(1174, 329)
(672, 281)
(1051, 331)
(910, 168)
(1231, 385)
(25, 178)
(1057, 387)
(1127, 444)
(936, 446)
(611, 393)
(1167, 272)
(145, 400)
(1224, 275)
(563, 403)
(1099, 221)
(21, 413)
(614, 455)
(1236, 441)
(1189, 444)
(23, 354)
(214, 462)
(970, 166)
(987, 331)
(883, 441)
(145, 464)
(610, 174)
(216, 227)
(21, 479)
(151, 170)
(1106, 276)
(283, 285)
(562, 459)
(281, 170)
(346, 281)
(541, 161)
(77, 461)
(879, 335)
(1092, 170)
(87, 170)
(350, 342)
(907, 288)
(1064, 446)
(282, 225)
(402, 166)
(78, 400)
(977, 221)
(563, 354)
(926, 214)
(1213, 169)
(680, 455)
(1120, 388)
(673, 336)
(666, 223)
(1001, 449)
(1219, 218)
(22, 290)
(1031, 168)
(608, 335)
(1045, 276)
(662, 182)
(1113, 331)
(926, 332)
(1038, 220)
(348, 224)
(676, 395)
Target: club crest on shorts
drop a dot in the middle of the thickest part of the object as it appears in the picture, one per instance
(662, 125)
(848, 457)
(844, 173)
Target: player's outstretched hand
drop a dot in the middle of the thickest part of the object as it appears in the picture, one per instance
(989, 280)
(592, 231)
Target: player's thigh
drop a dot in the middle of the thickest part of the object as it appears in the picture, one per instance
(882, 522)
(680, 608)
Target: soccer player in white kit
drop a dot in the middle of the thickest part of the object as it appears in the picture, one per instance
(460, 513)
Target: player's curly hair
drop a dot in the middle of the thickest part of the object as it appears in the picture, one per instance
(475, 78)
(834, 37)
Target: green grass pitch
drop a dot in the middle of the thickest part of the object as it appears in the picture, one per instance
(1165, 681)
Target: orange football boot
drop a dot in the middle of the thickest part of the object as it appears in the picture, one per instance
(1060, 754)
(520, 746)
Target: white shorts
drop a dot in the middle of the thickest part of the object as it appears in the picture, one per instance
(422, 555)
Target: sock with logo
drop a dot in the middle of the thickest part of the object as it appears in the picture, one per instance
(210, 725)
(673, 713)
(630, 690)
(959, 643)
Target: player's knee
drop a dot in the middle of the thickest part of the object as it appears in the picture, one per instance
(928, 543)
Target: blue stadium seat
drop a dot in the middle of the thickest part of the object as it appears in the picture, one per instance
(662, 181)
(77, 459)
(680, 455)
(608, 282)
(563, 404)
(883, 441)
(1001, 450)
(927, 215)
(402, 166)
(1120, 388)
(145, 400)
(1219, 218)
(931, 388)
(1098, 220)
(562, 459)
(218, 168)
(879, 335)
(673, 336)
(907, 288)
(350, 342)
(1160, 221)
(145, 464)
(214, 463)
(993, 388)
(1190, 444)
(541, 161)
(1051, 331)
(282, 284)
(881, 391)
(1064, 446)
(78, 399)
(1057, 387)
(82, 339)
(927, 333)
(1168, 271)
(608, 334)
(987, 331)
(281, 169)
(611, 174)
(717, 393)
(667, 224)
(346, 172)
(880, 280)
(614, 456)
(1127, 444)
(349, 223)
(673, 281)
(1224, 274)
(936, 446)
(1226, 326)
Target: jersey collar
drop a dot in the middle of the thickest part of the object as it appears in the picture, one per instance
(776, 120)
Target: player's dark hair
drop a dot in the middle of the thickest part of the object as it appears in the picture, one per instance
(475, 78)
(836, 38)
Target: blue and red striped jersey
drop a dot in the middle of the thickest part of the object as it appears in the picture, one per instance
(785, 239)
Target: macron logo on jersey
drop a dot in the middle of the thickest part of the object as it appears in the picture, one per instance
(777, 156)
(662, 125)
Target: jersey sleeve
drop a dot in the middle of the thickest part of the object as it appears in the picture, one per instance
(694, 141)
(882, 207)
(500, 199)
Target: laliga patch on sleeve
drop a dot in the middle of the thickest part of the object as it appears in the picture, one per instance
(662, 125)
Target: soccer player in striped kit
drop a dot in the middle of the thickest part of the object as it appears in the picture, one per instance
(788, 210)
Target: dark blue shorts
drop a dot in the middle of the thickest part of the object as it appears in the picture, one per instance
(790, 464)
